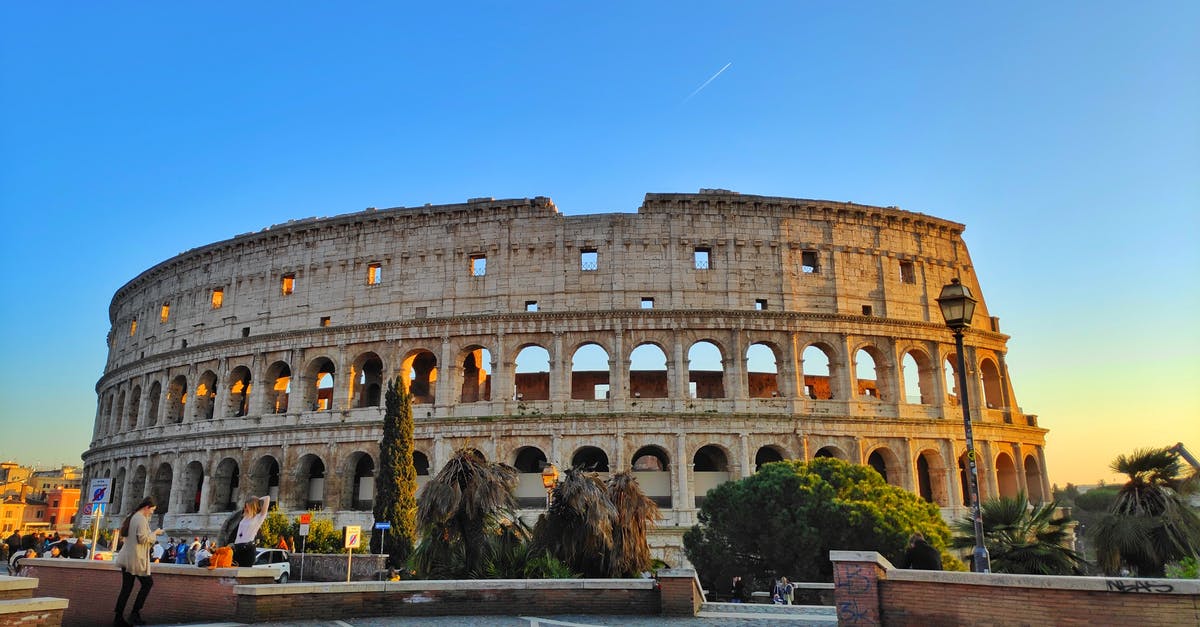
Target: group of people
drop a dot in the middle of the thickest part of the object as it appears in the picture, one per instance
(783, 592)
(183, 552)
(136, 553)
(41, 544)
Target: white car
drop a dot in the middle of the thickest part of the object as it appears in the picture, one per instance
(277, 560)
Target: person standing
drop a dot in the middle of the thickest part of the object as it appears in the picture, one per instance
(254, 512)
(921, 555)
(737, 592)
(134, 561)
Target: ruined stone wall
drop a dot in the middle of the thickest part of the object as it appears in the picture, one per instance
(395, 292)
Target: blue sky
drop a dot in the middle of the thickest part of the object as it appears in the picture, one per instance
(1065, 135)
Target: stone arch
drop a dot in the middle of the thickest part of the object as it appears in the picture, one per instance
(590, 459)
(320, 384)
(118, 491)
(279, 378)
(951, 379)
(476, 365)
(358, 491)
(652, 467)
(366, 380)
(529, 462)
(1006, 476)
(125, 418)
(651, 459)
(590, 372)
(225, 482)
(706, 370)
(177, 394)
(138, 488)
(531, 373)
(529, 459)
(762, 370)
(155, 398)
(918, 377)
(206, 395)
(419, 371)
(768, 454)
(309, 487)
(887, 464)
(193, 486)
(816, 360)
(648, 373)
(869, 373)
(1033, 480)
(160, 488)
(238, 402)
(265, 480)
(833, 451)
(931, 477)
(710, 468)
(135, 401)
(111, 421)
(993, 396)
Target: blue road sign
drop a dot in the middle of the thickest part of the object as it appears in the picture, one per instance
(383, 525)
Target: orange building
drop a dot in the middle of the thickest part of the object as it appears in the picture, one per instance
(61, 506)
(12, 514)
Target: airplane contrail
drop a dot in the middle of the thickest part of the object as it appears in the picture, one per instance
(710, 79)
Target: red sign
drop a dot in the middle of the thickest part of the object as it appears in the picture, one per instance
(305, 519)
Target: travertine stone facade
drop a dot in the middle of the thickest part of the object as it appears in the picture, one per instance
(256, 364)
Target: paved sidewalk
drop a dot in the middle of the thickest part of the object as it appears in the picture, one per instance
(524, 621)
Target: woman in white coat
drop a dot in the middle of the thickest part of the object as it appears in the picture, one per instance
(134, 561)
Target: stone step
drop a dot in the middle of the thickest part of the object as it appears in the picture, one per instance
(808, 614)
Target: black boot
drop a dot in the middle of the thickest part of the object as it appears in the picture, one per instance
(136, 618)
(119, 621)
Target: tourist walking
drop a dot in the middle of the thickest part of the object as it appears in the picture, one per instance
(134, 561)
(254, 512)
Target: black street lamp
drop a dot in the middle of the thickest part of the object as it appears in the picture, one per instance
(958, 307)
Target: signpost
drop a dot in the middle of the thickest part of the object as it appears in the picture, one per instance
(382, 525)
(305, 520)
(99, 495)
(351, 538)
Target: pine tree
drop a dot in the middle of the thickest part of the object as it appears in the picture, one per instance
(396, 484)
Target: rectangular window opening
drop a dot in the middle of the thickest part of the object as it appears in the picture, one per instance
(760, 304)
(703, 258)
(866, 309)
(809, 262)
(374, 274)
(908, 274)
(165, 312)
(589, 260)
(288, 284)
(218, 298)
(531, 305)
(478, 265)
(647, 302)
(601, 391)
(245, 331)
(133, 327)
(325, 321)
(182, 343)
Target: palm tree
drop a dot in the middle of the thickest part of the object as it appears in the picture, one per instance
(636, 513)
(578, 528)
(1149, 523)
(468, 501)
(1023, 539)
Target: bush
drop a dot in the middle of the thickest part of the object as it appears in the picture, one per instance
(323, 537)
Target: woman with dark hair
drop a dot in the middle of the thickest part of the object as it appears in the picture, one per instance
(134, 560)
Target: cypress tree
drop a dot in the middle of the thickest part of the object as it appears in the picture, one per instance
(396, 483)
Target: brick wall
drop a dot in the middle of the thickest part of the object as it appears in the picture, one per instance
(681, 592)
(914, 597)
(32, 612)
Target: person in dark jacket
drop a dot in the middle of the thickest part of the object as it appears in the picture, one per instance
(921, 555)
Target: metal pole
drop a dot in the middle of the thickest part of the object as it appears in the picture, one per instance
(303, 550)
(983, 561)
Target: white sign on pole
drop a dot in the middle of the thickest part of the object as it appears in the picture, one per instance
(100, 490)
(303, 529)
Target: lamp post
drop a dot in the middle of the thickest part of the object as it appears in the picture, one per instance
(549, 480)
(958, 307)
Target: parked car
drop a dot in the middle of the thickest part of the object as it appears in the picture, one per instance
(277, 560)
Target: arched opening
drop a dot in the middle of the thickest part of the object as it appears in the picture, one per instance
(529, 461)
(917, 371)
(531, 380)
(421, 464)
(419, 371)
(648, 372)
(193, 485)
(1006, 476)
(651, 466)
(762, 371)
(964, 473)
(590, 459)
(264, 479)
(118, 491)
(476, 375)
(831, 451)
(710, 468)
(126, 418)
(361, 491)
(138, 489)
(177, 394)
(866, 376)
(319, 395)
(279, 377)
(206, 395)
(931, 478)
(885, 462)
(951, 370)
(1033, 480)
(110, 423)
(766, 455)
(706, 371)
(817, 381)
(238, 403)
(589, 373)
(992, 394)
(160, 490)
(225, 485)
(310, 481)
(135, 400)
(155, 398)
(366, 381)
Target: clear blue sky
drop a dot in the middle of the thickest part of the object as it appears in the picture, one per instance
(1065, 135)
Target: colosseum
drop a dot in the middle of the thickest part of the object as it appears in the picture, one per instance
(691, 341)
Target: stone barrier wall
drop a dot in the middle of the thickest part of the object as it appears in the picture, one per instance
(332, 566)
(870, 591)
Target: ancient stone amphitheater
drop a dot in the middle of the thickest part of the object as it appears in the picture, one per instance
(691, 341)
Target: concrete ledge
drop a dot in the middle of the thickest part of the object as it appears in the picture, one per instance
(185, 570)
(445, 585)
(1050, 582)
(32, 605)
(8, 584)
(861, 556)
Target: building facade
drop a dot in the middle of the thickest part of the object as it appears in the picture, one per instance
(691, 341)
